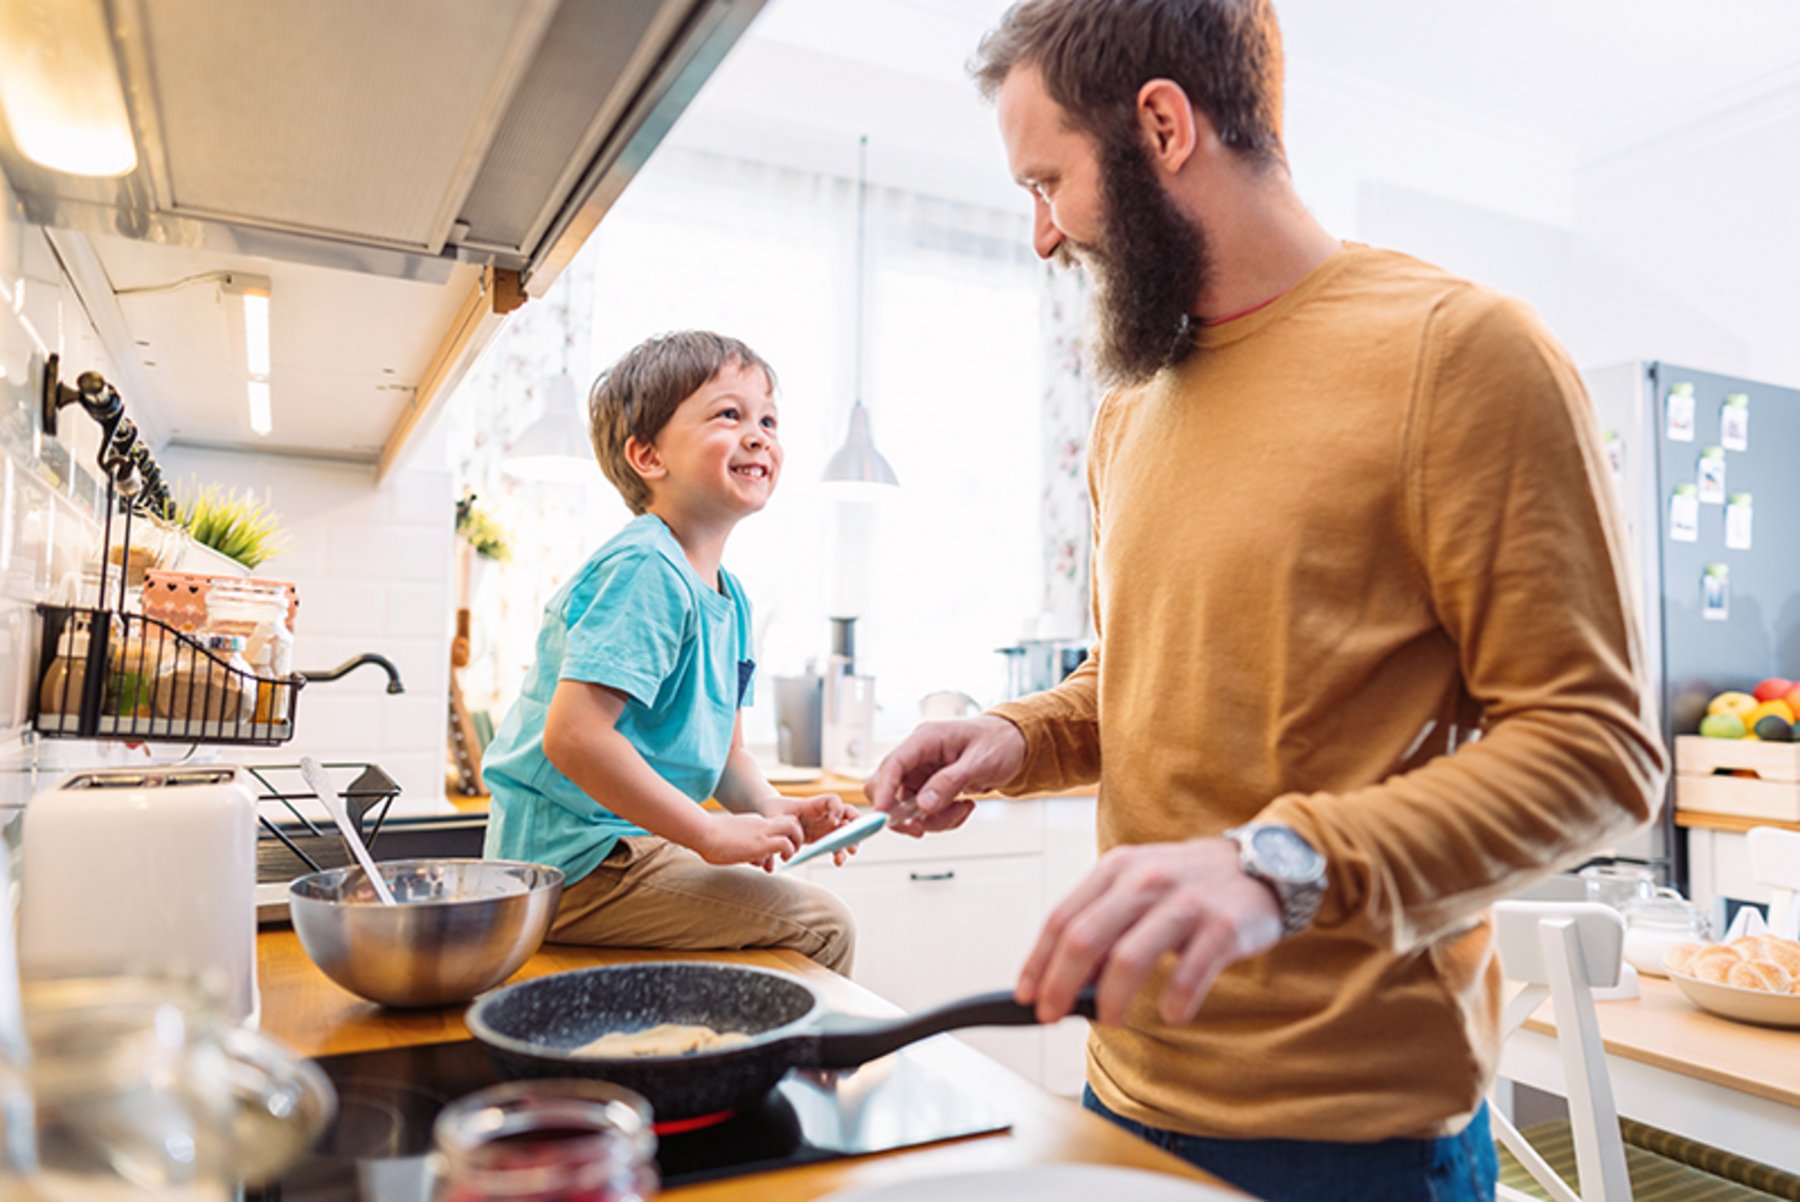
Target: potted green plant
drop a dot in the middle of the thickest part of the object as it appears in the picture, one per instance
(485, 536)
(231, 534)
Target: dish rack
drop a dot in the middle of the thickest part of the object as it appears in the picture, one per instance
(289, 849)
(108, 673)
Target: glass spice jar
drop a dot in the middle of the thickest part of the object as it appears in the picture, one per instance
(546, 1141)
(256, 612)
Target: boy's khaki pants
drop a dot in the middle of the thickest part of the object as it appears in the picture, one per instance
(649, 892)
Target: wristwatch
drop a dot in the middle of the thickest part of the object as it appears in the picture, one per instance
(1281, 858)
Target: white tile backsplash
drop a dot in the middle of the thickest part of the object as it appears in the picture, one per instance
(372, 566)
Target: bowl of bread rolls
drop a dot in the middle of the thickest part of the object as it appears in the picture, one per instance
(1754, 979)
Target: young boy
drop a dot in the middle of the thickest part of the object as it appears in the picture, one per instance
(629, 718)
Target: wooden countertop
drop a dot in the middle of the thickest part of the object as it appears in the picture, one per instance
(1728, 822)
(847, 787)
(1661, 1028)
(306, 1011)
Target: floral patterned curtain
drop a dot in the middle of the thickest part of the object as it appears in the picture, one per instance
(1070, 396)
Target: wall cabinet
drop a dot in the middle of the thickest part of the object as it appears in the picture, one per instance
(956, 913)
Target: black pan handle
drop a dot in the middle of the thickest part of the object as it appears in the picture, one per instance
(850, 1042)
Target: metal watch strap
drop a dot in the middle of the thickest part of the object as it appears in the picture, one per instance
(1299, 900)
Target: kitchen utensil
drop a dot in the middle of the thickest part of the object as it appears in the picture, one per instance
(531, 1029)
(459, 926)
(848, 835)
(102, 893)
(1042, 1183)
(328, 796)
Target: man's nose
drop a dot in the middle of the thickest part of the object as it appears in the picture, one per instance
(1045, 237)
(754, 438)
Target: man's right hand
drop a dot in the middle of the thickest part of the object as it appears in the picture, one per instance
(938, 763)
(749, 839)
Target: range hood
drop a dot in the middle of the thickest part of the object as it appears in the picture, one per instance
(468, 144)
(395, 137)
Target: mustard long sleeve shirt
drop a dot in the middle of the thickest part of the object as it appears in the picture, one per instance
(1358, 569)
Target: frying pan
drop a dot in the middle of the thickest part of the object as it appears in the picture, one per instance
(530, 1029)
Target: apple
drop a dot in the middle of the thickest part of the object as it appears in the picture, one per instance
(1731, 703)
(1793, 699)
(1723, 726)
(1775, 686)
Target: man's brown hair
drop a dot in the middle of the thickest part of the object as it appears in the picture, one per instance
(1095, 54)
(635, 397)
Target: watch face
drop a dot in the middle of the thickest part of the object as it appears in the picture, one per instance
(1285, 855)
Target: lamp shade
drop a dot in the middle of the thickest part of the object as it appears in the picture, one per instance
(857, 464)
(555, 447)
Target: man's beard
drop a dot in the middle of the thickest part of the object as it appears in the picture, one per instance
(1149, 263)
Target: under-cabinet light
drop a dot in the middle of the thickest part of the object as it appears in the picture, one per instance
(60, 87)
(260, 418)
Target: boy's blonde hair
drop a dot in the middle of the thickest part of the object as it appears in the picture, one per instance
(635, 397)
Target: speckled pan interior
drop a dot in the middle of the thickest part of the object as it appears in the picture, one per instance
(529, 1029)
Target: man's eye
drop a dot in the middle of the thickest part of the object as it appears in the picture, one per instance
(730, 413)
(768, 423)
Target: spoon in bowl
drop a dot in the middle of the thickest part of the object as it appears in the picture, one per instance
(328, 795)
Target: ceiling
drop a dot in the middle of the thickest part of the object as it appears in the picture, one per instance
(1578, 79)
(346, 349)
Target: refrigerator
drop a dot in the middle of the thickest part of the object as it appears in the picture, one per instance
(1708, 468)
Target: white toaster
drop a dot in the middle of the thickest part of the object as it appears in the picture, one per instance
(143, 871)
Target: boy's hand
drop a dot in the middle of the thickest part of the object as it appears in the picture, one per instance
(758, 839)
(818, 816)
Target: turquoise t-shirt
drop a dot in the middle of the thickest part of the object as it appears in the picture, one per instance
(636, 618)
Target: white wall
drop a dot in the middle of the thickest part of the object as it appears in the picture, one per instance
(1690, 250)
(49, 496)
(1682, 247)
(372, 568)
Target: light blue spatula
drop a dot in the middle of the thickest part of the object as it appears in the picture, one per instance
(848, 835)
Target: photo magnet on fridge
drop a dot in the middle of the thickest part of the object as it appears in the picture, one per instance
(1715, 593)
(1711, 474)
(1615, 457)
(1684, 514)
(1680, 405)
(1738, 531)
(1734, 422)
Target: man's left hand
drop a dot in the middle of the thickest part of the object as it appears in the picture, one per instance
(1139, 902)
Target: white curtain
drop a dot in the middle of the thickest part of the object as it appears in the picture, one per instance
(953, 377)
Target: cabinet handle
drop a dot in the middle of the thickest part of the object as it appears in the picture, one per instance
(948, 875)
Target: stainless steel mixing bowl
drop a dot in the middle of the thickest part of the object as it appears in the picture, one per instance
(461, 926)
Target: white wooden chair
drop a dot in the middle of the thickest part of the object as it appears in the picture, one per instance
(1775, 863)
(1561, 950)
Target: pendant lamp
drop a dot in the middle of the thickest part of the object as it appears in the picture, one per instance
(555, 447)
(857, 470)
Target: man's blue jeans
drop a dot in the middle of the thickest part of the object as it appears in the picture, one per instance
(1456, 1168)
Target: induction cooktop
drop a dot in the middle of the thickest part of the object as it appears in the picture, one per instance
(376, 1148)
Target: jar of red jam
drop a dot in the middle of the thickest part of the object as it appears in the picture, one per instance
(546, 1141)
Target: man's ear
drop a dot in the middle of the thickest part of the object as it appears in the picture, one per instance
(1170, 126)
(644, 460)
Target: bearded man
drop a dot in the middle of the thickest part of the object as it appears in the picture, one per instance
(1366, 657)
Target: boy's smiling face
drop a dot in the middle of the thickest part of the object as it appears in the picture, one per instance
(719, 456)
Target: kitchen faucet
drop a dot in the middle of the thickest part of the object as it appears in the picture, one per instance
(367, 657)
